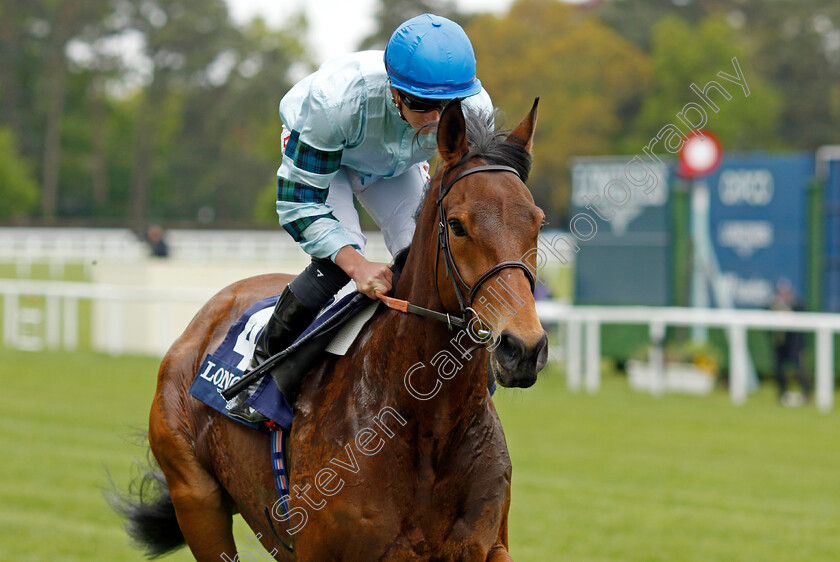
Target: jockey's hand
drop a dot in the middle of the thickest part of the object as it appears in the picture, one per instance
(370, 277)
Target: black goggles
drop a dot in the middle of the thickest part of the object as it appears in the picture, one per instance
(422, 105)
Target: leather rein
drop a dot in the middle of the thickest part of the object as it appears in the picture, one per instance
(452, 271)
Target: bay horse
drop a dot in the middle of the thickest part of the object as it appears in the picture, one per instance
(397, 452)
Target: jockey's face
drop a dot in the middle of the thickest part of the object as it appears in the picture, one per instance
(420, 121)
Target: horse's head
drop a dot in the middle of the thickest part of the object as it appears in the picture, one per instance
(488, 227)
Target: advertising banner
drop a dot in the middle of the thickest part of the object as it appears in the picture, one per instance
(620, 220)
(757, 225)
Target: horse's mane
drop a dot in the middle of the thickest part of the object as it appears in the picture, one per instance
(491, 144)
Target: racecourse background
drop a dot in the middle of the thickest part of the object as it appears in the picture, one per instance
(122, 300)
(618, 475)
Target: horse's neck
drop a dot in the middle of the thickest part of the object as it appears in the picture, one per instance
(430, 379)
(420, 341)
(417, 282)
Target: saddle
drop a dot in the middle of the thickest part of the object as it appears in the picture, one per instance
(332, 331)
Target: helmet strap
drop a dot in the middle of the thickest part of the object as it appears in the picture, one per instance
(396, 103)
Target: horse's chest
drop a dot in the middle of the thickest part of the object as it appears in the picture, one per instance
(382, 495)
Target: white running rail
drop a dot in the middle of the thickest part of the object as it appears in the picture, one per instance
(580, 320)
(58, 326)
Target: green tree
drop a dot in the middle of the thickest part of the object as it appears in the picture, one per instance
(391, 13)
(793, 44)
(797, 47)
(18, 188)
(635, 20)
(683, 55)
(36, 38)
(183, 38)
(215, 137)
(193, 125)
(66, 19)
(12, 62)
(254, 101)
(586, 75)
(228, 141)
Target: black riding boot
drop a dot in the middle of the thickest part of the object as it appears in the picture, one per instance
(289, 319)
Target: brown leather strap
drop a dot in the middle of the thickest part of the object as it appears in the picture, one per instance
(497, 268)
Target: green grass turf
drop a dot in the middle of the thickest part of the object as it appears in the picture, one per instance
(622, 476)
(616, 476)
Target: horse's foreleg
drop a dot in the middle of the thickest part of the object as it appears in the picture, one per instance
(204, 515)
(499, 553)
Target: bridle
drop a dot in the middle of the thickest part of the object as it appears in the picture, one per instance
(452, 271)
(444, 246)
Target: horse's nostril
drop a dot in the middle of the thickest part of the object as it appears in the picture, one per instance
(541, 351)
(513, 354)
(510, 351)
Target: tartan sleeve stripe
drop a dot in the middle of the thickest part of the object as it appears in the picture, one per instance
(311, 159)
(296, 192)
(296, 228)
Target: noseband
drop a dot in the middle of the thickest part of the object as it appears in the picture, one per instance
(452, 271)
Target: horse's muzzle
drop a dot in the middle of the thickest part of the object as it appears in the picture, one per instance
(515, 364)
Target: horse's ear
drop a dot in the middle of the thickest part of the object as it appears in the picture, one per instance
(523, 134)
(452, 133)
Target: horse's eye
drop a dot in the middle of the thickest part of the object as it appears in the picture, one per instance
(543, 224)
(457, 228)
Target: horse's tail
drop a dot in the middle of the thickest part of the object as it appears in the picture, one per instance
(149, 512)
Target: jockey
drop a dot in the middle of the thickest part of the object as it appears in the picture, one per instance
(361, 125)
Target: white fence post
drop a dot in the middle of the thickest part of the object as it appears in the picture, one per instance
(30, 329)
(573, 358)
(115, 327)
(164, 327)
(738, 363)
(52, 323)
(10, 319)
(656, 358)
(593, 355)
(825, 370)
(71, 323)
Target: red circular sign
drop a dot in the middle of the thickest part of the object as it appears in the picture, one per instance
(700, 155)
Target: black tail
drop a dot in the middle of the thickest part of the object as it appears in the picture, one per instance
(150, 514)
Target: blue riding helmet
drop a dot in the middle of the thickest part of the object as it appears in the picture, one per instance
(431, 57)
